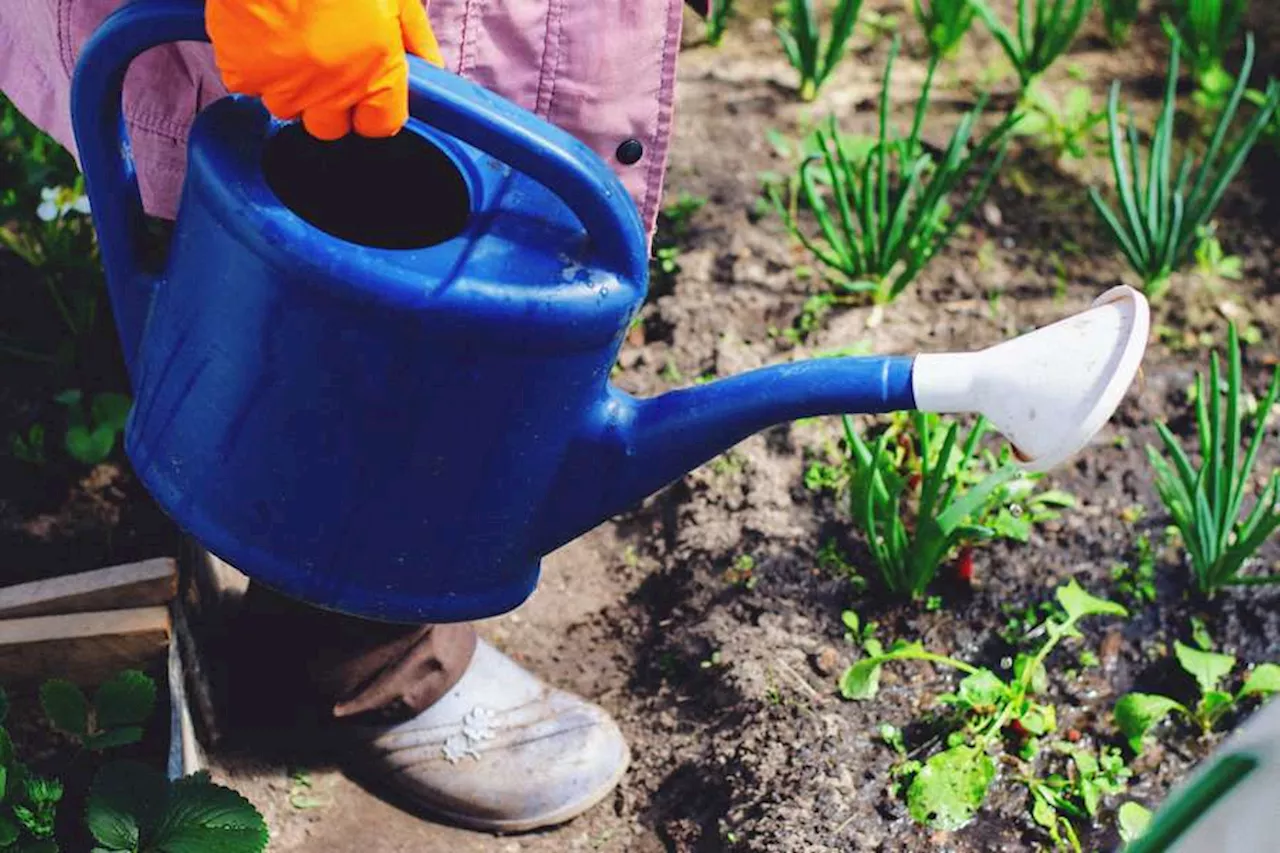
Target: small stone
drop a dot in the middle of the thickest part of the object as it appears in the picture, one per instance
(826, 660)
(991, 213)
(1109, 649)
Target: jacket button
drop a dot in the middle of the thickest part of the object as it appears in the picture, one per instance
(630, 152)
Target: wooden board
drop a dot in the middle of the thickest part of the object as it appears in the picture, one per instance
(145, 584)
(86, 648)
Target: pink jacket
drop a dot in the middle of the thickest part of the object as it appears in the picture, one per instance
(603, 70)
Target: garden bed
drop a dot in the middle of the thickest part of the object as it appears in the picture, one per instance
(709, 619)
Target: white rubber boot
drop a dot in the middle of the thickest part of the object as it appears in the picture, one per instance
(501, 752)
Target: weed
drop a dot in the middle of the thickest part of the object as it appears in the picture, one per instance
(1045, 29)
(892, 211)
(1206, 504)
(1212, 262)
(1136, 714)
(1072, 128)
(808, 52)
(1163, 216)
(948, 789)
(1076, 791)
(1137, 582)
(743, 572)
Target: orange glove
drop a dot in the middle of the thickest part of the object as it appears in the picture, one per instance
(340, 64)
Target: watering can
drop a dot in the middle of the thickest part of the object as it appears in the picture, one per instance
(374, 374)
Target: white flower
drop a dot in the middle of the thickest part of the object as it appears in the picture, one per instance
(57, 202)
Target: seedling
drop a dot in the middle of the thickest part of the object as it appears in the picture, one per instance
(1070, 129)
(812, 56)
(952, 785)
(892, 212)
(1160, 219)
(91, 435)
(1137, 582)
(29, 448)
(718, 20)
(1119, 16)
(1136, 714)
(1045, 30)
(945, 22)
(1077, 792)
(1206, 503)
(1213, 263)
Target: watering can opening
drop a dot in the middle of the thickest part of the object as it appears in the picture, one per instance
(401, 192)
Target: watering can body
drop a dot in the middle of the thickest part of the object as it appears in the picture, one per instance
(374, 375)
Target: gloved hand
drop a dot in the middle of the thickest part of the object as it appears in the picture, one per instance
(339, 64)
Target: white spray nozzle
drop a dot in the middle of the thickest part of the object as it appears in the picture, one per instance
(1048, 391)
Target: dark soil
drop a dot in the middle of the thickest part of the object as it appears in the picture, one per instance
(728, 693)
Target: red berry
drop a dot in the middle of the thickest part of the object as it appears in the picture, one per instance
(964, 565)
(1073, 735)
(1019, 729)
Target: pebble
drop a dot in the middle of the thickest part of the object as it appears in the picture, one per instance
(1109, 649)
(826, 660)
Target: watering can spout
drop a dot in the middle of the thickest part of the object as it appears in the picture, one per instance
(1048, 392)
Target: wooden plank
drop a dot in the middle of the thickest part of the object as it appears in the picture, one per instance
(86, 648)
(145, 584)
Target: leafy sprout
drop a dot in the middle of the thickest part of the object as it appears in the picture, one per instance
(1207, 502)
(892, 211)
(1136, 714)
(1162, 214)
(1045, 30)
(812, 56)
(950, 787)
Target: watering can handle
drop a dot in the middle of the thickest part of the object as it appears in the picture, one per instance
(438, 98)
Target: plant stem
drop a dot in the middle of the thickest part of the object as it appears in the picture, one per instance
(808, 90)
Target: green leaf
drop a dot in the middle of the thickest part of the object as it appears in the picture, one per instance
(206, 818)
(951, 787)
(66, 706)
(9, 831)
(1038, 681)
(862, 680)
(1134, 819)
(1078, 603)
(128, 699)
(1043, 812)
(983, 689)
(1137, 713)
(89, 447)
(112, 738)
(1207, 668)
(126, 802)
(850, 620)
(111, 410)
(1213, 705)
(1263, 681)
(1039, 720)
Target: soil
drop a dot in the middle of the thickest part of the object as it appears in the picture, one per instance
(727, 691)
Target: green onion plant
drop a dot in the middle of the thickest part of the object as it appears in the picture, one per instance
(808, 52)
(945, 22)
(1207, 502)
(1161, 216)
(718, 16)
(1207, 29)
(1045, 30)
(891, 209)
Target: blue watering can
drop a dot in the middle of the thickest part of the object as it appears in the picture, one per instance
(374, 374)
